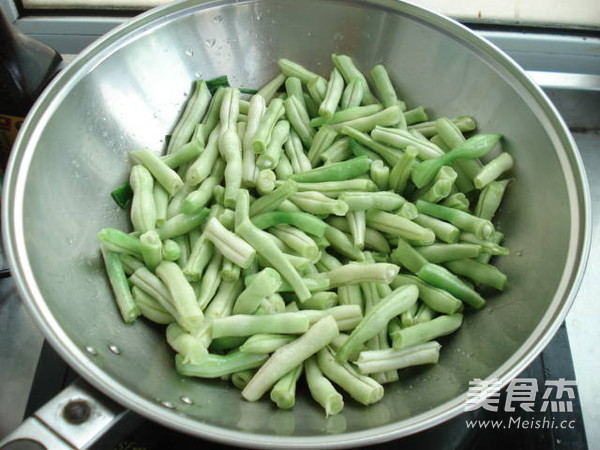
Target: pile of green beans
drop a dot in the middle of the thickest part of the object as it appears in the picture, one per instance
(318, 228)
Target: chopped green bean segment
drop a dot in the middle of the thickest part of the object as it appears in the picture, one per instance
(265, 343)
(439, 253)
(166, 176)
(426, 331)
(481, 273)
(305, 222)
(118, 281)
(442, 278)
(321, 388)
(482, 228)
(283, 393)
(399, 226)
(316, 203)
(194, 110)
(215, 366)
(490, 198)
(340, 171)
(377, 361)
(416, 115)
(493, 169)
(269, 90)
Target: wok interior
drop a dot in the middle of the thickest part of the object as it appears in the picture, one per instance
(129, 96)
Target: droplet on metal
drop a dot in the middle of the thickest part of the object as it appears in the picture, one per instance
(166, 404)
(113, 348)
(218, 19)
(210, 42)
(186, 400)
(91, 350)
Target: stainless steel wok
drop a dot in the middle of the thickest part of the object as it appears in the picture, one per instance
(125, 92)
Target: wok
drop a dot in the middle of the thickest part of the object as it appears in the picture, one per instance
(126, 91)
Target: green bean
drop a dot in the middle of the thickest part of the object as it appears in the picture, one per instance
(474, 147)
(321, 389)
(284, 169)
(265, 181)
(283, 393)
(488, 246)
(403, 138)
(305, 222)
(428, 129)
(216, 366)
(406, 256)
(290, 356)
(265, 247)
(230, 109)
(293, 88)
(345, 115)
(317, 88)
(255, 113)
(425, 314)
(389, 154)
(384, 87)
(118, 281)
(440, 187)
(380, 174)
(312, 107)
(339, 171)
(185, 153)
(150, 308)
(407, 318)
(272, 200)
(480, 273)
(222, 303)
(495, 239)
(145, 280)
(402, 169)
(321, 142)
(210, 281)
(322, 301)
(377, 361)
(361, 388)
(265, 343)
(187, 345)
(399, 226)
(386, 117)
(493, 169)
(373, 238)
(452, 136)
(264, 283)
(241, 379)
(437, 299)
(151, 247)
(292, 69)
(313, 284)
(200, 197)
(426, 331)
(333, 95)
(342, 244)
(353, 94)
(229, 244)
(442, 278)
(354, 273)
(415, 115)
(161, 201)
(444, 231)
(143, 209)
(272, 114)
(182, 295)
(438, 253)
(349, 71)
(299, 120)
(480, 227)
(166, 176)
(346, 316)
(120, 242)
(335, 188)
(175, 205)
(130, 263)
(211, 119)
(458, 200)
(230, 149)
(337, 152)
(269, 158)
(194, 110)
(181, 224)
(408, 211)
(357, 222)
(248, 325)
(298, 241)
(201, 168)
(295, 153)
(377, 318)
(317, 203)
(230, 271)
(490, 198)
(269, 90)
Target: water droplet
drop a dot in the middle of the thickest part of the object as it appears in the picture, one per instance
(273, 21)
(309, 34)
(166, 404)
(338, 36)
(70, 241)
(113, 348)
(520, 253)
(91, 350)
(186, 400)
(197, 74)
(218, 18)
(258, 16)
(210, 42)
(189, 52)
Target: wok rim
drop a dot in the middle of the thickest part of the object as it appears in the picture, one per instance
(13, 193)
